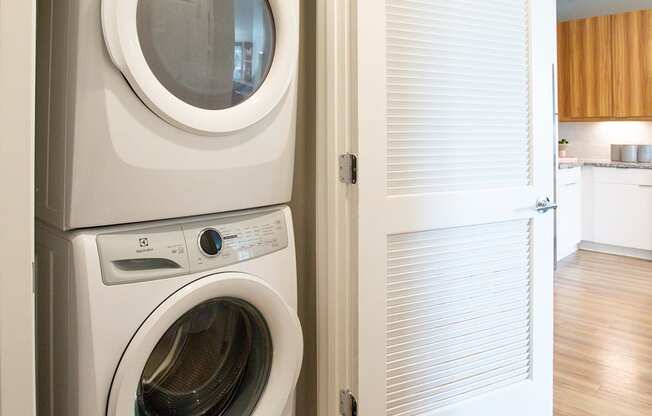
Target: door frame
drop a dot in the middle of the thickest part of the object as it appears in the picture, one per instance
(336, 225)
(17, 88)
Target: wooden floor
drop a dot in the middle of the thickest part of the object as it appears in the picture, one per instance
(603, 336)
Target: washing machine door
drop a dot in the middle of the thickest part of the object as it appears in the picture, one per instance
(207, 66)
(225, 345)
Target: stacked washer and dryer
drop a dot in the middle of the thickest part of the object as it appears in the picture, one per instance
(166, 262)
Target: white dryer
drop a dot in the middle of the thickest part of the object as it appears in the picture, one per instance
(156, 109)
(170, 318)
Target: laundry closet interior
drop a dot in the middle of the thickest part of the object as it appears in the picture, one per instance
(175, 207)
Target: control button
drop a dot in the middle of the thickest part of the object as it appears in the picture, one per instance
(210, 242)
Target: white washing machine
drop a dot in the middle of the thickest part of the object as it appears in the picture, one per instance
(187, 318)
(156, 109)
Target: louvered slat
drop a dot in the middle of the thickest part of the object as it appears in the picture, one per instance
(458, 113)
(458, 314)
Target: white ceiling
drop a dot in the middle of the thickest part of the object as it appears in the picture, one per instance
(577, 9)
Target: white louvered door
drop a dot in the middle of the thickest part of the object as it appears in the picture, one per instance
(455, 265)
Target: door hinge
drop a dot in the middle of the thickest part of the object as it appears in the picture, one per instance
(349, 168)
(34, 276)
(348, 403)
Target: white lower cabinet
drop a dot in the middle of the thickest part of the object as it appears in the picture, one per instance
(623, 215)
(618, 208)
(569, 214)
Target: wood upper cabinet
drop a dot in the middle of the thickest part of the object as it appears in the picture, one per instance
(585, 68)
(605, 67)
(632, 64)
(563, 70)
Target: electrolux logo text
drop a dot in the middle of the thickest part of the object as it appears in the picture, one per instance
(143, 242)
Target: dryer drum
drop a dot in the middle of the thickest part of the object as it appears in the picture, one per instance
(214, 361)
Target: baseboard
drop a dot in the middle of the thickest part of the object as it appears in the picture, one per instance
(616, 250)
(564, 252)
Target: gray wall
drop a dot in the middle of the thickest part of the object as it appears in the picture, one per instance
(303, 208)
(577, 9)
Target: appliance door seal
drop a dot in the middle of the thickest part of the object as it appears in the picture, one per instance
(121, 34)
(282, 323)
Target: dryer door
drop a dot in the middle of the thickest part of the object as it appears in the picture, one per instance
(208, 66)
(224, 345)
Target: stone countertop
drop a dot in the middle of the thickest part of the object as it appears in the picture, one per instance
(570, 165)
(618, 165)
(606, 164)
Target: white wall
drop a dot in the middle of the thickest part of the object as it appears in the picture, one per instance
(593, 140)
(17, 78)
(577, 9)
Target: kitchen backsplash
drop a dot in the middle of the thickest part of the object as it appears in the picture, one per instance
(593, 140)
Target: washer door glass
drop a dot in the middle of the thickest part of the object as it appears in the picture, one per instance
(212, 54)
(215, 361)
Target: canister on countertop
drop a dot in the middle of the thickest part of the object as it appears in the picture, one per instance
(645, 153)
(615, 152)
(629, 153)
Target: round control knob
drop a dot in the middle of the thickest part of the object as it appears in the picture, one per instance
(210, 242)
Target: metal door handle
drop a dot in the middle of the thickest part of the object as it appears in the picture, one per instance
(545, 204)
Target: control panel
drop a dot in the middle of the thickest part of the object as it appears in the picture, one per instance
(169, 251)
(220, 243)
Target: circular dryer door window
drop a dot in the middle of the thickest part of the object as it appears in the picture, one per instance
(212, 54)
(215, 360)
(207, 66)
